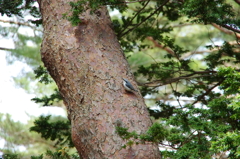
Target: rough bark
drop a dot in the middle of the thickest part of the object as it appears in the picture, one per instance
(87, 64)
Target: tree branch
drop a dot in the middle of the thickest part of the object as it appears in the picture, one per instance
(139, 11)
(237, 1)
(20, 24)
(231, 28)
(227, 31)
(207, 92)
(135, 1)
(158, 83)
(14, 22)
(171, 52)
(168, 49)
(129, 30)
(5, 49)
(206, 51)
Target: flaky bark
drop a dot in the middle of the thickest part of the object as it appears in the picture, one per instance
(87, 64)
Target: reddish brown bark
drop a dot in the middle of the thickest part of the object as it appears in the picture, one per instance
(87, 64)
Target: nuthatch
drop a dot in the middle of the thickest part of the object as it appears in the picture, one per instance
(128, 86)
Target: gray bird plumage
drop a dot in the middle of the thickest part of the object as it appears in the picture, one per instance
(128, 86)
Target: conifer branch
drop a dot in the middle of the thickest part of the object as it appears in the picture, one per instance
(158, 83)
(130, 22)
(144, 20)
(208, 91)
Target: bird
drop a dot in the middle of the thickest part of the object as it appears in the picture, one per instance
(128, 86)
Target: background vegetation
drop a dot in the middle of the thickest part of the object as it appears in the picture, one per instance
(184, 55)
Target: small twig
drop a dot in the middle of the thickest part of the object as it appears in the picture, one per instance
(176, 97)
(129, 30)
(171, 147)
(135, 16)
(169, 50)
(189, 139)
(151, 57)
(6, 49)
(208, 91)
(158, 83)
(20, 24)
(135, 1)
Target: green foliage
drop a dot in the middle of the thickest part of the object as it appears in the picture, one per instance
(76, 9)
(61, 153)
(29, 54)
(189, 73)
(231, 84)
(235, 105)
(209, 11)
(166, 110)
(130, 137)
(26, 50)
(11, 156)
(37, 157)
(11, 7)
(42, 74)
(219, 58)
(229, 141)
(49, 100)
(125, 134)
(58, 131)
(156, 133)
(17, 134)
(15, 8)
(82, 5)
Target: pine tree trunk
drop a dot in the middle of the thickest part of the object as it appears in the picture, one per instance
(87, 64)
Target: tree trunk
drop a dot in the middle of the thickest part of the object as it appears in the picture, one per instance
(87, 64)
